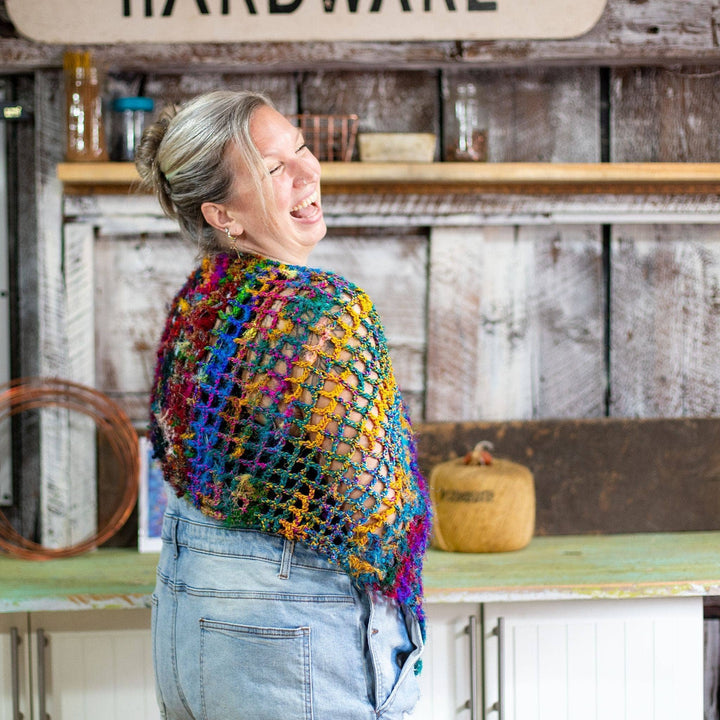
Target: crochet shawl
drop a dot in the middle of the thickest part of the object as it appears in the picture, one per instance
(275, 407)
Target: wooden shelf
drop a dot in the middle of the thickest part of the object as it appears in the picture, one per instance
(455, 178)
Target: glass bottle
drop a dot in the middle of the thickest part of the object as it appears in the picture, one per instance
(83, 103)
(130, 115)
(468, 140)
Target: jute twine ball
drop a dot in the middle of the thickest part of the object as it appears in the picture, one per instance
(482, 504)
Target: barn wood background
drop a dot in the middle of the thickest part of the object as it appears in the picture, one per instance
(498, 308)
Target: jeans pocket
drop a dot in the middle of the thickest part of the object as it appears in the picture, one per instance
(263, 672)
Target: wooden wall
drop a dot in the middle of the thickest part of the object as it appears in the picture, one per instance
(516, 318)
(497, 307)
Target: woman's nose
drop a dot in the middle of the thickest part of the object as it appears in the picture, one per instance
(305, 177)
(307, 171)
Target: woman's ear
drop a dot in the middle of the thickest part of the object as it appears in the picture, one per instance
(218, 217)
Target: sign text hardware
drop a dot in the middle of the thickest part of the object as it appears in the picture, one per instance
(231, 21)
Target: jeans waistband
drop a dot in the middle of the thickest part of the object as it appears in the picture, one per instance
(187, 526)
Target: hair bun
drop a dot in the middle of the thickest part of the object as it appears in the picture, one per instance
(146, 160)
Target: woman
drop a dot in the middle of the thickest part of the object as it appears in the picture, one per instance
(289, 581)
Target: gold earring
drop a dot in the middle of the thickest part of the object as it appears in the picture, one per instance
(233, 240)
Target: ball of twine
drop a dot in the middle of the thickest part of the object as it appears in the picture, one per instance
(26, 394)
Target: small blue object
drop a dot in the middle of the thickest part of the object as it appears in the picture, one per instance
(143, 104)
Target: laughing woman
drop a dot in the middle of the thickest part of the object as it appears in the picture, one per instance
(289, 583)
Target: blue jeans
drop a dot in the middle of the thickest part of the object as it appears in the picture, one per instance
(248, 625)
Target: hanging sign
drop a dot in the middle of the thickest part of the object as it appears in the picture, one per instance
(232, 21)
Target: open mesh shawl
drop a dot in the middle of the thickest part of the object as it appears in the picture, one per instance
(275, 407)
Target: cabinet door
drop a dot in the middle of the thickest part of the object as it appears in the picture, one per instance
(594, 659)
(450, 675)
(94, 664)
(14, 685)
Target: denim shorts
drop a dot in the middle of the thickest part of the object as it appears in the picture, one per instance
(248, 625)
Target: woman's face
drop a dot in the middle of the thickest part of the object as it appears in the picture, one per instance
(293, 173)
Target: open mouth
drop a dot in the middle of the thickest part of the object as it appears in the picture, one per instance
(307, 208)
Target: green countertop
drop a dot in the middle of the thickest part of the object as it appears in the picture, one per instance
(550, 568)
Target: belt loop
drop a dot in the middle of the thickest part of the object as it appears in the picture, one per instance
(286, 561)
(174, 536)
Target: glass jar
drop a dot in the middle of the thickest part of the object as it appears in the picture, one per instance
(130, 116)
(468, 138)
(85, 129)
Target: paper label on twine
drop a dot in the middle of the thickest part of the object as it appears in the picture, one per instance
(232, 21)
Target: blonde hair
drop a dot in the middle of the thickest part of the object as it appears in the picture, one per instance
(183, 158)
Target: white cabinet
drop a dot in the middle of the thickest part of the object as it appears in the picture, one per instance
(14, 677)
(564, 660)
(81, 665)
(450, 676)
(640, 659)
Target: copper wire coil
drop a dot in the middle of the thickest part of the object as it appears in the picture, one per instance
(26, 394)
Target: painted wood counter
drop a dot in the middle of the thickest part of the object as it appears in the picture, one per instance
(550, 568)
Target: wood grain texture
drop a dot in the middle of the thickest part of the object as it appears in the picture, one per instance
(627, 33)
(664, 114)
(136, 278)
(172, 88)
(135, 281)
(391, 266)
(41, 343)
(535, 114)
(515, 323)
(665, 321)
(385, 101)
(604, 475)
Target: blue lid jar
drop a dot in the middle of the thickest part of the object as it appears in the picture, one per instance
(130, 115)
(142, 104)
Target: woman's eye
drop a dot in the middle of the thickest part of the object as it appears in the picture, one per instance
(302, 147)
(274, 170)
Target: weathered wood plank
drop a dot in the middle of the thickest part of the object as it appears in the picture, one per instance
(37, 232)
(71, 516)
(5, 330)
(391, 266)
(375, 98)
(627, 33)
(533, 114)
(605, 475)
(174, 88)
(665, 321)
(515, 323)
(664, 114)
(135, 280)
(134, 214)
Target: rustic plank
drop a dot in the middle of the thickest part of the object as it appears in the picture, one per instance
(533, 114)
(375, 98)
(454, 308)
(515, 323)
(135, 280)
(665, 321)
(627, 33)
(133, 214)
(665, 114)
(174, 88)
(71, 514)
(391, 266)
(603, 475)
(5, 330)
(458, 178)
(36, 229)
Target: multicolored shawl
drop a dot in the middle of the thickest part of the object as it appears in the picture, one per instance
(275, 407)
